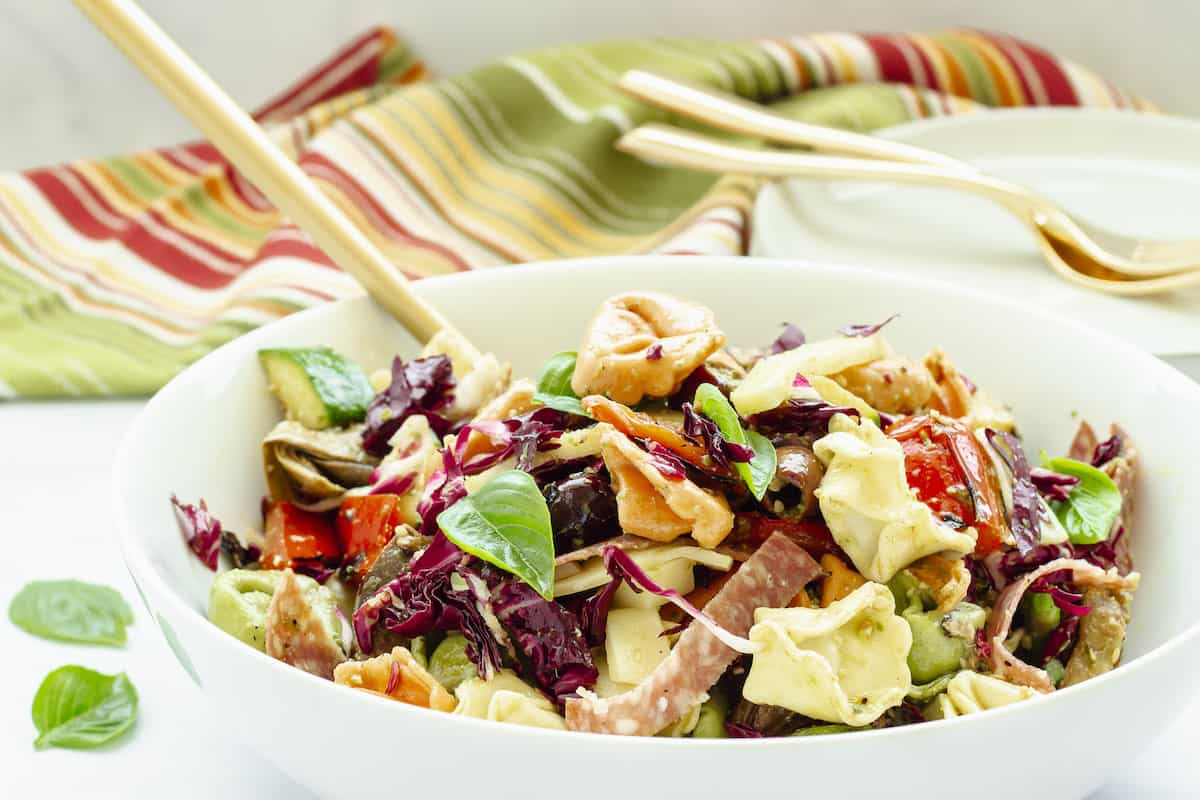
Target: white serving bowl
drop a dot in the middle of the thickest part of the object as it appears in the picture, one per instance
(199, 437)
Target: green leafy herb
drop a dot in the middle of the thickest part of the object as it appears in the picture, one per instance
(71, 611)
(760, 470)
(554, 387)
(506, 523)
(1091, 509)
(78, 708)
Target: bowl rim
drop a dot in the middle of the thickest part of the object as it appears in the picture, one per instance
(143, 572)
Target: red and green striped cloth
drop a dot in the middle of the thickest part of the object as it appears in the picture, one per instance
(117, 273)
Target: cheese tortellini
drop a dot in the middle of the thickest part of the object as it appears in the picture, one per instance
(969, 692)
(507, 698)
(868, 506)
(846, 663)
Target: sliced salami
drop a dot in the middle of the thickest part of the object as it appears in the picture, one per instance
(770, 578)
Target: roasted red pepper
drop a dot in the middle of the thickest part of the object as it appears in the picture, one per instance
(294, 535)
(950, 472)
(365, 525)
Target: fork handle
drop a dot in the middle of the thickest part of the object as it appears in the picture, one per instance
(677, 147)
(729, 112)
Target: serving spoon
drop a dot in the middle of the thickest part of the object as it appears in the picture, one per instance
(248, 148)
(1081, 252)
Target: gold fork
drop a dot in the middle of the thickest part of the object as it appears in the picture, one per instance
(1078, 251)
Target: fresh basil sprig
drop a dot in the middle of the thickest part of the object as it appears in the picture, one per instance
(71, 611)
(760, 470)
(79, 708)
(554, 386)
(506, 523)
(1090, 510)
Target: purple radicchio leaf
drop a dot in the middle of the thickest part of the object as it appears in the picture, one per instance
(799, 417)
(1060, 638)
(319, 569)
(1024, 517)
(865, 329)
(665, 461)
(623, 568)
(654, 352)
(791, 338)
(1012, 564)
(422, 386)
(1107, 450)
(720, 450)
(1068, 602)
(201, 529)
(423, 599)
(549, 637)
(740, 730)
(1053, 485)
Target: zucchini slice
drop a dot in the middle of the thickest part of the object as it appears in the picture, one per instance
(318, 387)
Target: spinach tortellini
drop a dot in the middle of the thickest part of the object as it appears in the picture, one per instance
(846, 663)
(970, 692)
(239, 599)
(870, 510)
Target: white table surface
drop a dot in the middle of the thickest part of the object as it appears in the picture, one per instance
(55, 522)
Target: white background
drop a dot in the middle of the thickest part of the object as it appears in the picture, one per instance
(65, 93)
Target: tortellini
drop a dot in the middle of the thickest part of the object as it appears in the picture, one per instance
(657, 507)
(845, 663)
(868, 506)
(507, 698)
(644, 344)
(396, 675)
(238, 601)
(970, 692)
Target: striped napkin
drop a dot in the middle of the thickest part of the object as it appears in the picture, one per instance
(117, 273)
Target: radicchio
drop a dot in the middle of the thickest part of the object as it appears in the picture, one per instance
(865, 329)
(664, 460)
(800, 417)
(1107, 450)
(720, 450)
(654, 352)
(623, 568)
(422, 386)
(548, 635)
(1053, 485)
(201, 529)
(423, 599)
(791, 338)
(1024, 517)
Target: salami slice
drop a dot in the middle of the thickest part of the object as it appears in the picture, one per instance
(770, 578)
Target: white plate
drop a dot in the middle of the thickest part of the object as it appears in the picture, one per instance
(1138, 174)
(200, 437)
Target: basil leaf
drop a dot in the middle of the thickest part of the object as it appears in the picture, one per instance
(760, 470)
(506, 523)
(78, 708)
(71, 611)
(554, 386)
(1090, 510)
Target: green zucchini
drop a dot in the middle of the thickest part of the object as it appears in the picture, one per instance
(317, 387)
